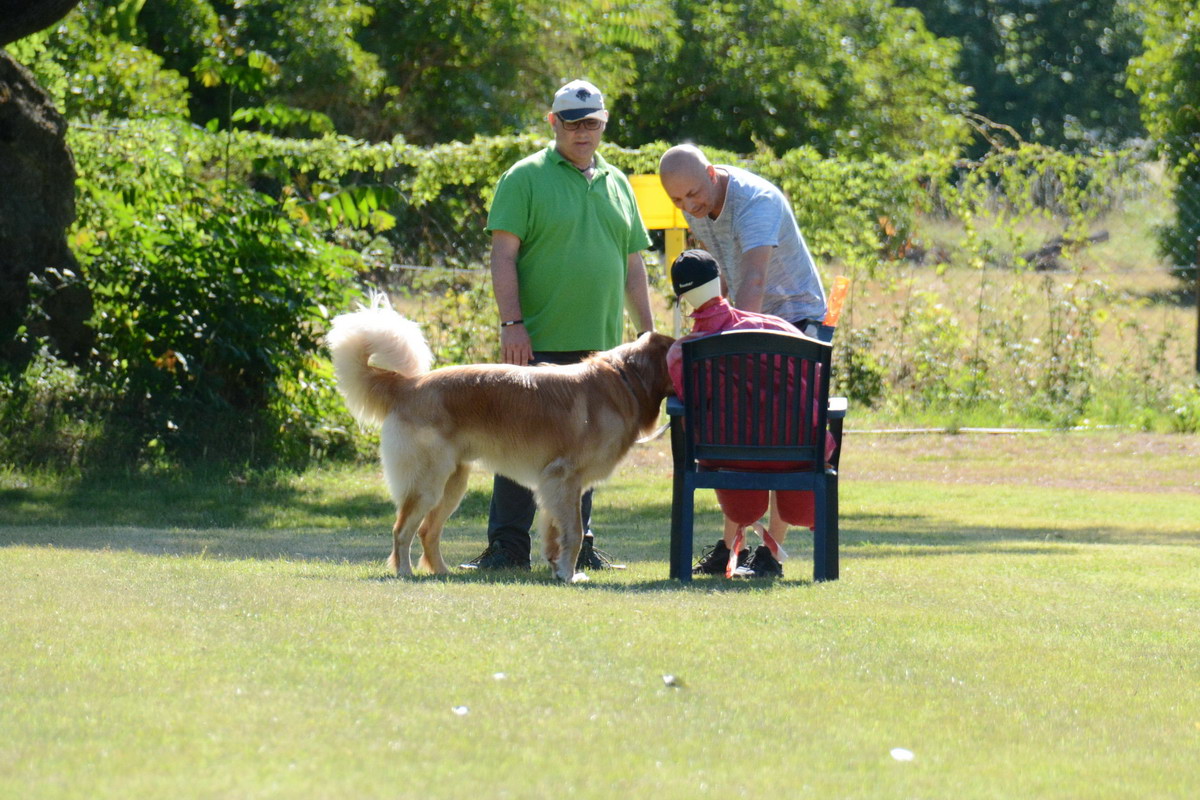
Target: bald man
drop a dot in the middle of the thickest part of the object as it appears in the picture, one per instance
(748, 224)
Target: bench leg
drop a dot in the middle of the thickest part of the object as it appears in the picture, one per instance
(825, 533)
(681, 520)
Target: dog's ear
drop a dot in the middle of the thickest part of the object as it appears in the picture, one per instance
(649, 360)
(662, 340)
(658, 345)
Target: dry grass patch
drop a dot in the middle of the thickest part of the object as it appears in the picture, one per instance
(1098, 461)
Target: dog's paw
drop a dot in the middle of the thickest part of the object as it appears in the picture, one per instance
(568, 576)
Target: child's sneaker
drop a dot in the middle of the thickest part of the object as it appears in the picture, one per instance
(762, 564)
(715, 559)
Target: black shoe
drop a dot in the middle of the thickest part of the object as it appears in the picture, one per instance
(716, 558)
(496, 557)
(762, 564)
(592, 557)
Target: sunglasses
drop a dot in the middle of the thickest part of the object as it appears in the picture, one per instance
(589, 124)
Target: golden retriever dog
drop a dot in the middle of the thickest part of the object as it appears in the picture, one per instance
(555, 429)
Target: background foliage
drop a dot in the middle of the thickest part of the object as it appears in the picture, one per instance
(210, 304)
(851, 77)
(246, 167)
(1167, 78)
(867, 75)
(1053, 70)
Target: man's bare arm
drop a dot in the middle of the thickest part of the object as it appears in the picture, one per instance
(515, 345)
(753, 281)
(637, 293)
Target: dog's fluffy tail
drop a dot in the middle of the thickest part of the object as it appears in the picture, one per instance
(366, 341)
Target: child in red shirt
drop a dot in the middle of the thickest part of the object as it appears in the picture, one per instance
(695, 277)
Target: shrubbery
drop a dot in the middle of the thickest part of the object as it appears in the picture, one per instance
(216, 259)
(210, 303)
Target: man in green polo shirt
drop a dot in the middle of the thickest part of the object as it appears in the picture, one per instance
(566, 260)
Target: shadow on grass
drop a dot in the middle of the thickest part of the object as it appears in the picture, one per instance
(181, 500)
(540, 576)
(228, 517)
(464, 538)
(1181, 296)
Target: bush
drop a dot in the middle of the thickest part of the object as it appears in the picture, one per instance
(211, 297)
(210, 307)
(49, 414)
(1185, 410)
(857, 373)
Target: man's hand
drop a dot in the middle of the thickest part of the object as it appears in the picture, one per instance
(515, 347)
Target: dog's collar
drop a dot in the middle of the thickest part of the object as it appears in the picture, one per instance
(625, 377)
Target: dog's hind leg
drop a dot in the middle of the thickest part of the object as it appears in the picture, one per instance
(416, 470)
(559, 493)
(431, 527)
(407, 517)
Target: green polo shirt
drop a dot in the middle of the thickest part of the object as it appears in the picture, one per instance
(576, 238)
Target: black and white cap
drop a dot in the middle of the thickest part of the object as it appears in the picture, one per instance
(578, 100)
(696, 277)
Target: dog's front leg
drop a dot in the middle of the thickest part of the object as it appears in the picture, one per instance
(561, 549)
(562, 527)
(551, 538)
(570, 543)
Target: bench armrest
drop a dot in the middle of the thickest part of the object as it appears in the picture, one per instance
(837, 407)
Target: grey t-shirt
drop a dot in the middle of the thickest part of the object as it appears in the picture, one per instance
(755, 214)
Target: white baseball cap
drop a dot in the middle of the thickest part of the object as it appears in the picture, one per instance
(578, 100)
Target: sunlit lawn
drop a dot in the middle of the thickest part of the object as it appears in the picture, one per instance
(1021, 615)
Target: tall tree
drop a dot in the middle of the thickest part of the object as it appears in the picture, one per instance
(1053, 70)
(1167, 79)
(457, 68)
(853, 76)
(299, 53)
(429, 70)
(38, 201)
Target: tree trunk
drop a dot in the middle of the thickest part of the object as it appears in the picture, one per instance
(37, 204)
(19, 18)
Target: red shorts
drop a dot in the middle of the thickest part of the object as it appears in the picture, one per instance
(747, 506)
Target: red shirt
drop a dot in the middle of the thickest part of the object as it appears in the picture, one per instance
(720, 316)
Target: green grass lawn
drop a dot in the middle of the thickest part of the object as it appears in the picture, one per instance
(1022, 614)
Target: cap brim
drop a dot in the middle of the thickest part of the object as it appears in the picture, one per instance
(574, 114)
